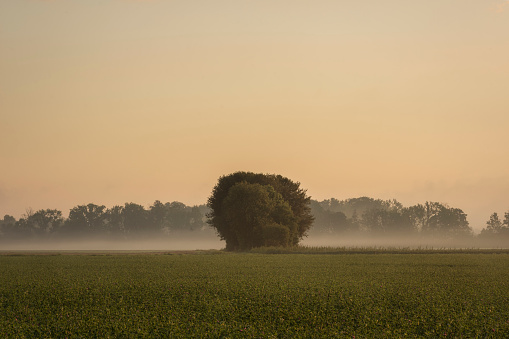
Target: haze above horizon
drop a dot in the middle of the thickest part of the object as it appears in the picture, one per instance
(114, 101)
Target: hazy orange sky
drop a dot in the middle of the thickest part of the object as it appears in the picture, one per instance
(111, 101)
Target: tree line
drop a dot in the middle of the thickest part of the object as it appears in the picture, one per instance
(389, 217)
(362, 216)
(254, 210)
(128, 221)
(368, 216)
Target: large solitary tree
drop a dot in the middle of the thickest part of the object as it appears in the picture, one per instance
(253, 209)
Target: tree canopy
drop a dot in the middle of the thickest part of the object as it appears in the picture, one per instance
(367, 216)
(253, 209)
(91, 221)
(250, 210)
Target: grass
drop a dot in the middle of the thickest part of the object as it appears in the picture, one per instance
(375, 250)
(253, 295)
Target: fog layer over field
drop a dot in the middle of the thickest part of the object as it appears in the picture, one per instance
(190, 243)
(155, 244)
(402, 242)
(352, 241)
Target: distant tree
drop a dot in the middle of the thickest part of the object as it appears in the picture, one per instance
(86, 220)
(417, 217)
(355, 222)
(175, 217)
(7, 226)
(389, 221)
(453, 223)
(204, 211)
(506, 220)
(8, 220)
(430, 222)
(158, 215)
(360, 205)
(426, 217)
(246, 207)
(441, 220)
(339, 223)
(318, 213)
(505, 226)
(195, 218)
(495, 227)
(115, 221)
(329, 222)
(136, 219)
(40, 224)
(332, 204)
(178, 216)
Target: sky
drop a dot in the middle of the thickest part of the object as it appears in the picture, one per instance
(114, 101)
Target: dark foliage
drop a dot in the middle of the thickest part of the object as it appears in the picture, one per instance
(129, 221)
(367, 216)
(222, 208)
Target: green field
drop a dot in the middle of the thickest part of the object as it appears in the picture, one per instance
(212, 295)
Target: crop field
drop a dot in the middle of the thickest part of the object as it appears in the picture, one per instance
(251, 295)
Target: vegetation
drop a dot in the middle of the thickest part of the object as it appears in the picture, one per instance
(495, 228)
(254, 295)
(361, 220)
(389, 218)
(374, 250)
(130, 221)
(253, 209)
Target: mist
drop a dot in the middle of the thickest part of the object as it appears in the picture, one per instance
(411, 242)
(157, 244)
(194, 243)
(357, 222)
